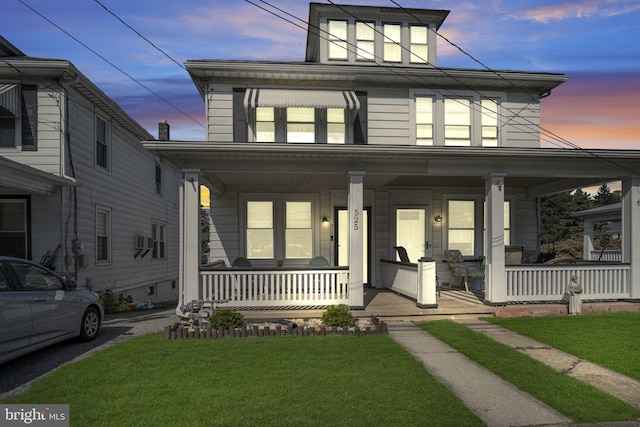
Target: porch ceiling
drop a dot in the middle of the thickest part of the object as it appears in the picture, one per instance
(537, 171)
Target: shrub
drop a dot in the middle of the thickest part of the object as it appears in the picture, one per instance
(338, 315)
(226, 318)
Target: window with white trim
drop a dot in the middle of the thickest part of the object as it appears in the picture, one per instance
(392, 48)
(298, 230)
(259, 230)
(158, 174)
(418, 44)
(336, 126)
(301, 125)
(338, 40)
(103, 235)
(365, 41)
(102, 143)
(461, 226)
(159, 240)
(265, 124)
(489, 122)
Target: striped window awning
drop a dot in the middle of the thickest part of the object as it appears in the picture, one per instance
(10, 98)
(293, 98)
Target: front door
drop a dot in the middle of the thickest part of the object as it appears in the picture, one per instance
(411, 231)
(342, 240)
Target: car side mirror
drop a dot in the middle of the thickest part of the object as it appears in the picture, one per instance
(70, 284)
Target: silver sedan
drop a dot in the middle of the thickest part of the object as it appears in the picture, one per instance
(39, 308)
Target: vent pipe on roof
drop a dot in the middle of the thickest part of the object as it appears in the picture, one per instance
(163, 131)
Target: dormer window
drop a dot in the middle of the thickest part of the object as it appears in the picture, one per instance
(338, 40)
(365, 41)
(418, 47)
(392, 43)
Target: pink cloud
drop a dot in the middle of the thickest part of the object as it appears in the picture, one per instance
(582, 9)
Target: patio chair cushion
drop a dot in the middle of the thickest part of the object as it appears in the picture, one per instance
(318, 261)
(242, 262)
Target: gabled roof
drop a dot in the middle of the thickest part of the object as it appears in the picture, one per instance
(7, 49)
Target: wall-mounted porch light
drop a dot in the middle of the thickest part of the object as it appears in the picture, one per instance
(325, 219)
(437, 218)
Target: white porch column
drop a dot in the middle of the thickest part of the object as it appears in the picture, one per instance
(189, 237)
(356, 240)
(631, 231)
(494, 275)
(589, 237)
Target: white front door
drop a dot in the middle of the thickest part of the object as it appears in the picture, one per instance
(411, 232)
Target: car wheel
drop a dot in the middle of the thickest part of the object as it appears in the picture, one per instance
(90, 324)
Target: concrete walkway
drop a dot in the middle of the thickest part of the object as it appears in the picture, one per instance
(618, 385)
(495, 401)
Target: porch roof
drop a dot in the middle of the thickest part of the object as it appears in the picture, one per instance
(228, 164)
(16, 176)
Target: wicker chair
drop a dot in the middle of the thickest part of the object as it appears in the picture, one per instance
(459, 268)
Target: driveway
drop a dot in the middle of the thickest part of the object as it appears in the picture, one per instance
(15, 375)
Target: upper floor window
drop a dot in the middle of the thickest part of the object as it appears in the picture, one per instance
(338, 40)
(336, 126)
(301, 125)
(418, 47)
(102, 145)
(18, 116)
(456, 121)
(265, 124)
(365, 41)
(158, 178)
(392, 51)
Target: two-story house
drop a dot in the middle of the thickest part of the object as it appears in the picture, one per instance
(78, 191)
(368, 144)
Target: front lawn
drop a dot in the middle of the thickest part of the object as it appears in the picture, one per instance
(608, 339)
(579, 401)
(284, 381)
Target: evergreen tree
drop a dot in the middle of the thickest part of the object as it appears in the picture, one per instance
(605, 196)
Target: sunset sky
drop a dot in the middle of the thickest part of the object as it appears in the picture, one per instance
(593, 42)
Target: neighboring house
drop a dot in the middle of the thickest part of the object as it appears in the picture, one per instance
(611, 214)
(367, 145)
(78, 191)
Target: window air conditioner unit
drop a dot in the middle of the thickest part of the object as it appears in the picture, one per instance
(140, 242)
(149, 243)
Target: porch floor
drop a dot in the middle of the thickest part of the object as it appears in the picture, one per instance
(456, 305)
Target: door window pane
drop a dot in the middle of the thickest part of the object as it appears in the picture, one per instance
(410, 232)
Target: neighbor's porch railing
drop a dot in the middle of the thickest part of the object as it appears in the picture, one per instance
(543, 282)
(608, 255)
(276, 288)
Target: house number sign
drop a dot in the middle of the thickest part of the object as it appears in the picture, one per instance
(356, 219)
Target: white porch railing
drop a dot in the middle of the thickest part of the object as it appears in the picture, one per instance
(416, 281)
(532, 282)
(276, 288)
(606, 256)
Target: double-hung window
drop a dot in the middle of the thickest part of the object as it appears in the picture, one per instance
(461, 226)
(7, 128)
(13, 227)
(418, 45)
(158, 178)
(298, 230)
(159, 240)
(457, 121)
(365, 41)
(265, 124)
(301, 125)
(259, 230)
(392, 51)
(102, 143)
(489, 120)
(103, 235)
(336, 126)
(424, 120)
(338, 40)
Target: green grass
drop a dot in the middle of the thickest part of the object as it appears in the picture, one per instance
(575, 399)
(284, 381)
(608, 339)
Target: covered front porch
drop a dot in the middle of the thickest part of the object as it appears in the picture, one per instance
(372, 185)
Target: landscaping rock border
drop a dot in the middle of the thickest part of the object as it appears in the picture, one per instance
(179, 331)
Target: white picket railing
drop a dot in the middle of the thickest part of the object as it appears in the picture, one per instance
(549, 282)
(606, 256)
(276, 288)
